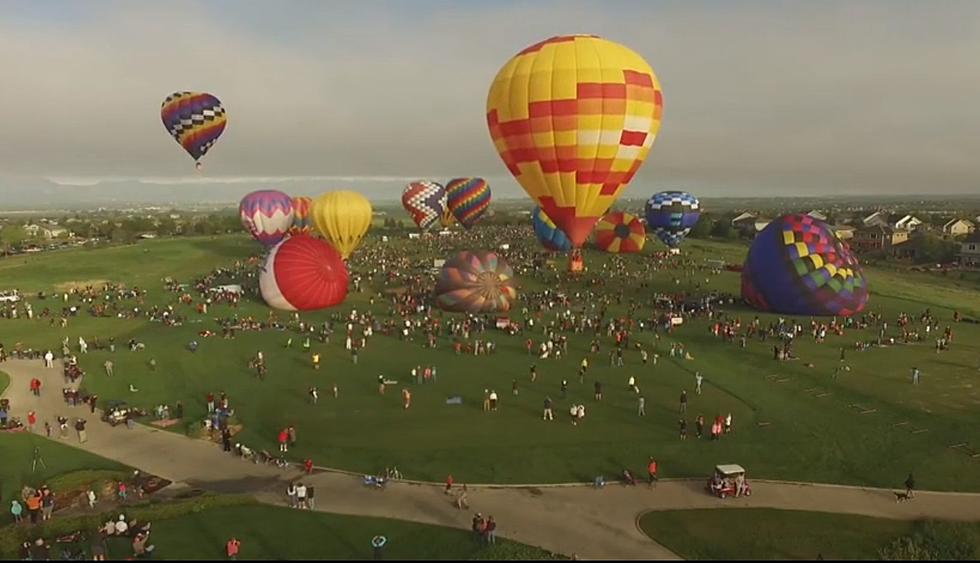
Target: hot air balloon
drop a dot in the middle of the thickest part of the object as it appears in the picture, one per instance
(573, 118)
(302, 273)
(620, 233)
(342, 218)
(447, 220)
(468, 199)
(549, 235)
(267, 215)
(302, 221)
(425, 201)
(475, 282)
(671, 215)
(195, 120)
(798, 266)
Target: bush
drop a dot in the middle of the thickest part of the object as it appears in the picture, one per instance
(934, 541)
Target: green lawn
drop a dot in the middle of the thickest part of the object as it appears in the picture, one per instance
(761, 533)
(271, 533)
(792, 421)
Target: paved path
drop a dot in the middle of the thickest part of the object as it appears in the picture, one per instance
(570, 520)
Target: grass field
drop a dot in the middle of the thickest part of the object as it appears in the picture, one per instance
(759, 533)
(792, 421)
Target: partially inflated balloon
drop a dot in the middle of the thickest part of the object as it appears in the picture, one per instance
(475, 282)
(468, 199)
(798, 266)
(302, 221)
(549, 235)
(672, 215)
(195, 120)
(267, 215)
(343, 218)
(447, 220)
(303, 274)
(425, 201)
(573, 118)
(620, 233)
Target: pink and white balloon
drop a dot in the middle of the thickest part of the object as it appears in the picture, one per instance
(267, 215)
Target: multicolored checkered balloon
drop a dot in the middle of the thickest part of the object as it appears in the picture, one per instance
(798, 266)
(672, 215)
(468, 199)
(195, 120)
(620, 233)
(573, 118)
(475, 282)
(425, 201)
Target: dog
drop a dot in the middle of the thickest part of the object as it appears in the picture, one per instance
(902, 497)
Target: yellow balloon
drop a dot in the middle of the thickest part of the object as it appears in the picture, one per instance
(343, 218)
(573, 118)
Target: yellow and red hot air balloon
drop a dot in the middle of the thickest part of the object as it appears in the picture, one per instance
(573, 118)
(302, 221)
(343, 218)
(620, 233)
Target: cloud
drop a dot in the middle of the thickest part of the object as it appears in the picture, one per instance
(789, 97)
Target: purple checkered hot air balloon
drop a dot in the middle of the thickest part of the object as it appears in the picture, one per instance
(267, 215)
(425, 201)
(195, 120)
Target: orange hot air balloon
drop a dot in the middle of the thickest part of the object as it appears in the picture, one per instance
(573, 118)
(302, 221)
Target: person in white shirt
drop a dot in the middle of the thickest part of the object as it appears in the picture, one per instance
(48, 359)
(573, 411)
(698, 379)
(493, 400)
(121, 526)
(301, 496)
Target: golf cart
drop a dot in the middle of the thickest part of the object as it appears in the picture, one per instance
(728, 480)
(116, 412)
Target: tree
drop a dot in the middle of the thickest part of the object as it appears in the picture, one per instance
(702, 229)
(723, 229)
(12, 236)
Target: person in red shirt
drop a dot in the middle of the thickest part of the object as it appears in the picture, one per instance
(308, 465)
(283, 440)
(232, 548)
(449, 483)
(31, 420)
(652, 471)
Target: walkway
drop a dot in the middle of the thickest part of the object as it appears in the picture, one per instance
(563, 519)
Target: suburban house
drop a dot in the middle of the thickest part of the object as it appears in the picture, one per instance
(898, 222)
(970, 251)
(958, 228)
(742, 218)
(750, 223)
(817, 215)
(844, 232)
(878, 238)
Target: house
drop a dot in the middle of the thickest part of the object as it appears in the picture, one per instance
(32, 230)
(750, 223)
(878, 218)
(817, 215)
(844, 232)
(908, 223)
(878, 238)
(970, 251)
(958, 228)
(745, 216)
(55, 232)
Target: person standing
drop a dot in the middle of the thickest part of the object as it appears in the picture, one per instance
(547, 410)
(316, 361)
(232, 547)
(310, 498)
(641, 406)
(910, 486)
(698, 379)
(682, 423)
(226, 439)
(109, 367)
(564, 389)
(381, 385)
(80, 428)
(915, 376)
(490, 530)
(406, 398)
(31, 420)
(314, 394)
(301, 496)
(699, 425)
(598, 391)
(493, 401)
(683, 401)
(449, 483)
(652, 472)
(17, 511)
(291, 493)
(291, 431)
(283, 441)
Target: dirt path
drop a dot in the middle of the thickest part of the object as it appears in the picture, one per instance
(565, 519)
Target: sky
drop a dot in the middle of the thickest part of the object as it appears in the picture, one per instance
(760, 98)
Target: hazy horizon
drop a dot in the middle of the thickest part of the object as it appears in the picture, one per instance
(761, 98)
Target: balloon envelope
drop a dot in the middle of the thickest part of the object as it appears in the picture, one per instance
(425, 201)
(620, 233)
(267, 215)
(343, 218)
(798, 266)
(573, 118)
(549, 235)
(195, 120)
(672, 215)
(302, 220)
(468, 199)
(475, 282)
(303, 274)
